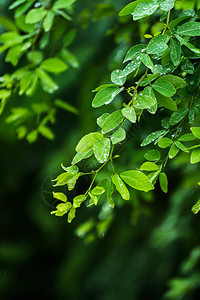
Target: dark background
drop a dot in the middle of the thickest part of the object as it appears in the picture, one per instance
(151, 241)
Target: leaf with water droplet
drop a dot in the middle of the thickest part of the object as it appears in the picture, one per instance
(148, 91)
(86, 143)
(195, 156)
(145, 58)
(166, 101)
(101, 149)
(118, 77)
(173, 151)
(187, 44)
(118, 136)
(191, 28)
(178, 115)
(106, 96)
(164, 87)
(131, 67)
(144, 9)
(175, 51)
(137, 180)
(134, 52)
(176, 81)
(101, 119)
(158, 44)
(129, 114)
(152, 155)
(196, 131)
(153, 136)
(112, 121)
(144, 102)
(166, 5)
(121, 187)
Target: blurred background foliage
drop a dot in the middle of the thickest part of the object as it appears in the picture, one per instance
(146, 249)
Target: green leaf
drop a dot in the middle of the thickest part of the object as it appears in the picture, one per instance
(62, 209)
(48, 84)
(121, 187)
(187, 137)
(137, 180)
(152, 155)
(189, 29)
(86, 143)
(104, 86)
(68, 178)
(196, 207)
(101, 149)
(187, 44)
(70, 58)
(166, 5)
(106, 96)
(112, 121)
(152, 137)
(164, 143)
(175, 51)
(78, 200)
(4, 93)
(66, 106)
(32, 136)
(48, 21)
(158, 44)
(134, 52)
(131, 67)
(196, 131)
(101, 119)
(148, 91)
(35, 15)
(149, 79)
(35, 57)
(118, 77)
(144, 9)
(118, 136)
(173, 151)
(11, 38)
(71, 214)
(53, 65)
(176, 81)
(145, 58)
(73, 169)
(149, 166)
(80, 156)
(144, 102)
(187, 66)
(109, 193)
(163, 182)
(60, 4)
(195, 156)
(60, 196)
(98, 190)
(178, 115)
(165, 88)
(23, 8)
(129, 9)
(129, 114)
(181, 146)
(46, 132)
(166, 101)
(16, 3)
